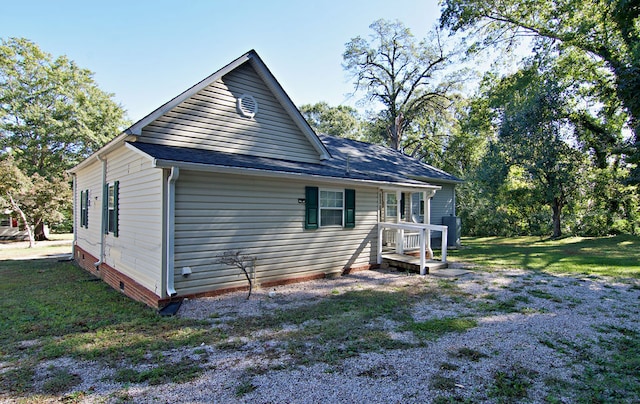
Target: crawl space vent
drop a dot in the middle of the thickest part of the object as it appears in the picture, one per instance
(247, 105)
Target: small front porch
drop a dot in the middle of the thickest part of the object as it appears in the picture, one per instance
(408, 246)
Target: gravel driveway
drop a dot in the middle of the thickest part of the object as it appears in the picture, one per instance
(535, 337)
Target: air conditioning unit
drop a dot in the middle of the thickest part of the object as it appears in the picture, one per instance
(455, 228)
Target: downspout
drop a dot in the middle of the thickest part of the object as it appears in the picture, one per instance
(102, 216)
(171, 224)
(75, 216)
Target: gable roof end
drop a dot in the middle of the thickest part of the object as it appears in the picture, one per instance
(271, 82)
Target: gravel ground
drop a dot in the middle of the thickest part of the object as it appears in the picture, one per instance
(545, 340)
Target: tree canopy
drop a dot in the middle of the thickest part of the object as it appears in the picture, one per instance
(404, 75)
(602, 30)
(52, 116)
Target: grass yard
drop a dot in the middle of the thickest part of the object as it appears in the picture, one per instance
(617, 256)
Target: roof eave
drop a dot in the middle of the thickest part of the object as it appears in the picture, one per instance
(160, 163)
(136, 128)
(107, 148)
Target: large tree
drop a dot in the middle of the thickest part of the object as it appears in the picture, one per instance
(401, 74)
(52, 115)
(605, 30)
(536, 136)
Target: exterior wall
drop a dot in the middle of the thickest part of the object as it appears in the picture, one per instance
(137, 252)
(442, 203)
(89, 178)
(262, 218)
(209, 120)
(116, 279)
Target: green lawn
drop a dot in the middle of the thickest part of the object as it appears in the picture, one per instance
(54, 309)
(617, 256)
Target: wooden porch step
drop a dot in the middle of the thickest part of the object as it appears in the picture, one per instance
(411, 263)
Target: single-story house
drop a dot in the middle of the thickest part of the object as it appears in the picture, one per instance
(231, 165)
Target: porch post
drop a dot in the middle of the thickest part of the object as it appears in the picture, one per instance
(423, 268)
(400, 232)
(380, 232)
(427, 219)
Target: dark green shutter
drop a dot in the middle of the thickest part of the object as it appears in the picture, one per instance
(349, 208)
(85, 204)
(81, 208)
(311, 208)
(105, 209)
(116, 206)
(402, 205)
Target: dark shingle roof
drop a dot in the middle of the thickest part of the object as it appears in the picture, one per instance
(371, 157)
(366, 162)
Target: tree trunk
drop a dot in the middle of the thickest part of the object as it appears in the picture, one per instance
(16, 207)
(39, 233)
(557, 212)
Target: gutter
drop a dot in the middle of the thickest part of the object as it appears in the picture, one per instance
(75, 216)
(160, 163)
(102, 216)
(171, 224)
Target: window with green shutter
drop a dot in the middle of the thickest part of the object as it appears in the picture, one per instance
(84, 209)
(329, 207)
(113, 203)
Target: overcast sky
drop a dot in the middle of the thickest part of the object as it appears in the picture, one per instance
(147, 52)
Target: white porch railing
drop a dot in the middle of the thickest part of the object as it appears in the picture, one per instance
(409, 240)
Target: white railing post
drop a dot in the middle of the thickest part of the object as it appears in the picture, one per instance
(380, 231)
(445, 233)
(423, 270)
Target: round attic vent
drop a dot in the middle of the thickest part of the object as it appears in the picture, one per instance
(247, 105)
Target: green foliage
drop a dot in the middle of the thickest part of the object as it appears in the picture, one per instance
(52, 113)
(608, 30)
(402, 75)
(342, 121)
(52, 116)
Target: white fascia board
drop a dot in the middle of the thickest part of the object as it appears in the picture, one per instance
(140, 152)
(115, 142)
(293, 111)
(439, 180)
(254, 172)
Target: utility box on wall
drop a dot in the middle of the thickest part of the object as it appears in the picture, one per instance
(455, 229)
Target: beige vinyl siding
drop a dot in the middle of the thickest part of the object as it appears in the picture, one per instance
(262, 218)
(89, 178)
(209, 120)
(442, 204)
(137, 251)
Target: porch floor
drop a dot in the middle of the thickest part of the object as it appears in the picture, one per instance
(411, 263)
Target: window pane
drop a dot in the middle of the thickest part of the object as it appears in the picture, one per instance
(112, 220)
(331, 217)
(111, 197)
(392, 205)
(330, 199)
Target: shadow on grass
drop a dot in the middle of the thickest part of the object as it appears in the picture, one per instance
(612, 256)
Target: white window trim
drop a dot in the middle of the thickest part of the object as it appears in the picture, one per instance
(320, 208)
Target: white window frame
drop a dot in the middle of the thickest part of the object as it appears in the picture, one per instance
(391, 207)
(330, 208)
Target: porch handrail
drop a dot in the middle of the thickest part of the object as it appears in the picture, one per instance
(425, 238)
